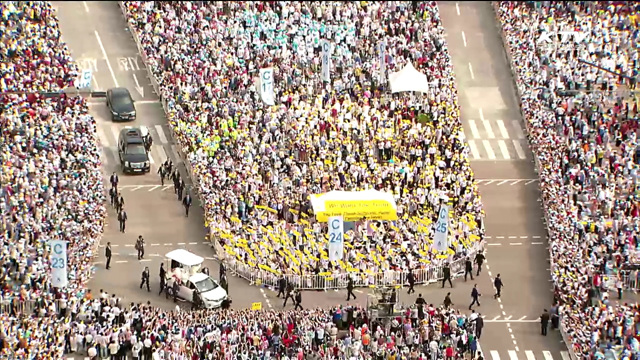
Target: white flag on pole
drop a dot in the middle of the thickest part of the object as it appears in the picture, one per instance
(336, 238)
(58, 262)
(266, 86)
(440, 240)
(326, 60)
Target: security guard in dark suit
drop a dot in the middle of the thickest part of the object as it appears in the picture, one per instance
(113, 195)
(145, 278)
(114, 180)
(107, 254)
(479, 261)
(298, 300)
(163, 278)
(186, 202)
(176, 180)
(350, 293)
(411, 278)
(446, 275)
(122, 219)
(162, 174)
(468, 269)
(289, 294)
(181, 187)
(544, 322)
(282, 286)
(119, 202)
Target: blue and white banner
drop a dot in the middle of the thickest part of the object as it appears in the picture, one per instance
(382, 48)
(84, 80)
(326, 60)
(58, 261)
(440, 239)
(336, 238)
(266, 86)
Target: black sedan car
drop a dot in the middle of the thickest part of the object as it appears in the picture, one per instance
(120, 104)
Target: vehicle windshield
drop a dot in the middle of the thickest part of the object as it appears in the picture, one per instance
(120, 100)
(136, 149)
(206, 285)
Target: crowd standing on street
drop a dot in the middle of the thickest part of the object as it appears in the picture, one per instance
(254, 166)
(582, 123)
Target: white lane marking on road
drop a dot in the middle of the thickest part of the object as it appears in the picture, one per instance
(512, 237)
(474, 149)
(519, 149)
(209, 258)
(515, 124)
(145, 260)
(106, 58)
(181, 244)
(86, 6)
(128, 245)
(471, 71)
(488, 149)
(193, 243)
(499, 237)
(496, 318)
(522, 237)
(515, 182)
(464, 39)
(494, 244)
(153, 188)
(487, 237)
(503, 129)
(536, 243)
(474, 129)
(137, 188)
(565, 355)
(487, 128)
(513, 355)
(515, 244)
(536, 237)
(163, 139)
(490, 182)
(115, 131)
(503, 149)
(458, 9)
(508, 318)
(163, 154)
(547, 355)
(529, 355)
(155, 244)
(522, 318)
(503, 182)
(358, 291)
(529, 182)
(121, 261)
(494, 355)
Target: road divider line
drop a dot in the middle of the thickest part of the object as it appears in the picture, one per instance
(536, 237)
(153, 188)
(161, 136)
(193, 243)
(536, 243)
(458, 9)
(519, 149)
(181, 243)
(515, 244)
(464, 39)
(522, 318)
(471, 71)
(106, 58)
(503, 182)
(494, 244)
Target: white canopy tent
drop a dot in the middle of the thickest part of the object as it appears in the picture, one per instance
(408, 79)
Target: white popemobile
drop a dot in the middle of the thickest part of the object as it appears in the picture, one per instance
(193, 284)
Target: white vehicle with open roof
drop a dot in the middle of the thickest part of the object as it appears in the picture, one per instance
(194, 285)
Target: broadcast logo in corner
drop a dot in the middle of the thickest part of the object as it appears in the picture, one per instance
(550, 37)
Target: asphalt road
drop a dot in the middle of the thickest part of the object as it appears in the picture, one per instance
(516, 244)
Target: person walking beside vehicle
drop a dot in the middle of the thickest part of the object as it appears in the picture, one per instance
(181, 187)
(140, 247)
(175, 289)
(122, 219)
(498, 284)
(107, 254)
(114, 180)
(176, 180)
(479, 261)
(162, 174)
(224, 283)
(119, 202)
(113, 196)
(145, 278)
(186, 202)
(163, 278)
(446, 275)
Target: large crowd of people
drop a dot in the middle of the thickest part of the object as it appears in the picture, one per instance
(256, 165)
(50, 181)
(582, 121)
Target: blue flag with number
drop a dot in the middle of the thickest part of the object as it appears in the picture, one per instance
(440, 239)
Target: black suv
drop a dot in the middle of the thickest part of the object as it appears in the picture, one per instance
(132, 152)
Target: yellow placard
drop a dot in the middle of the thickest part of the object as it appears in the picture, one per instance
(354, 210)
(257, 306)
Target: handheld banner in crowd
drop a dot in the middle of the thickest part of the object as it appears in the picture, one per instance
(336, 238)
(58, 261)
(266, 86)
(383, 50)
(355, 205)
(442, 229)
(326, 60)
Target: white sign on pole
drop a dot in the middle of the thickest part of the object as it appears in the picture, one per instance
(266, 86)
(440, 238)
(326, 60)
(383, 50)
(58, 261)
(336, 238)
(85, 79)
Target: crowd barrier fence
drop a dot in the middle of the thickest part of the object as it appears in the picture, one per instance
(258, 276)
(495, 6)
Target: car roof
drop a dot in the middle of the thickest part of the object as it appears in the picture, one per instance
(120, 91)
(197, 277)
(132, 135)
(185, 257)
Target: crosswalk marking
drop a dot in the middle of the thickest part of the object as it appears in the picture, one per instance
(474, 149)
(519, 149)
(494, 355)
(503, 129)
(547, 355)
(176, 152)
(517, 129)
(488, 149)
(488, 129)
(503, 149)
(116, 133)
(163, 139)
(530, 355)
(513, 355)
(565, 355)
(474, 129)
